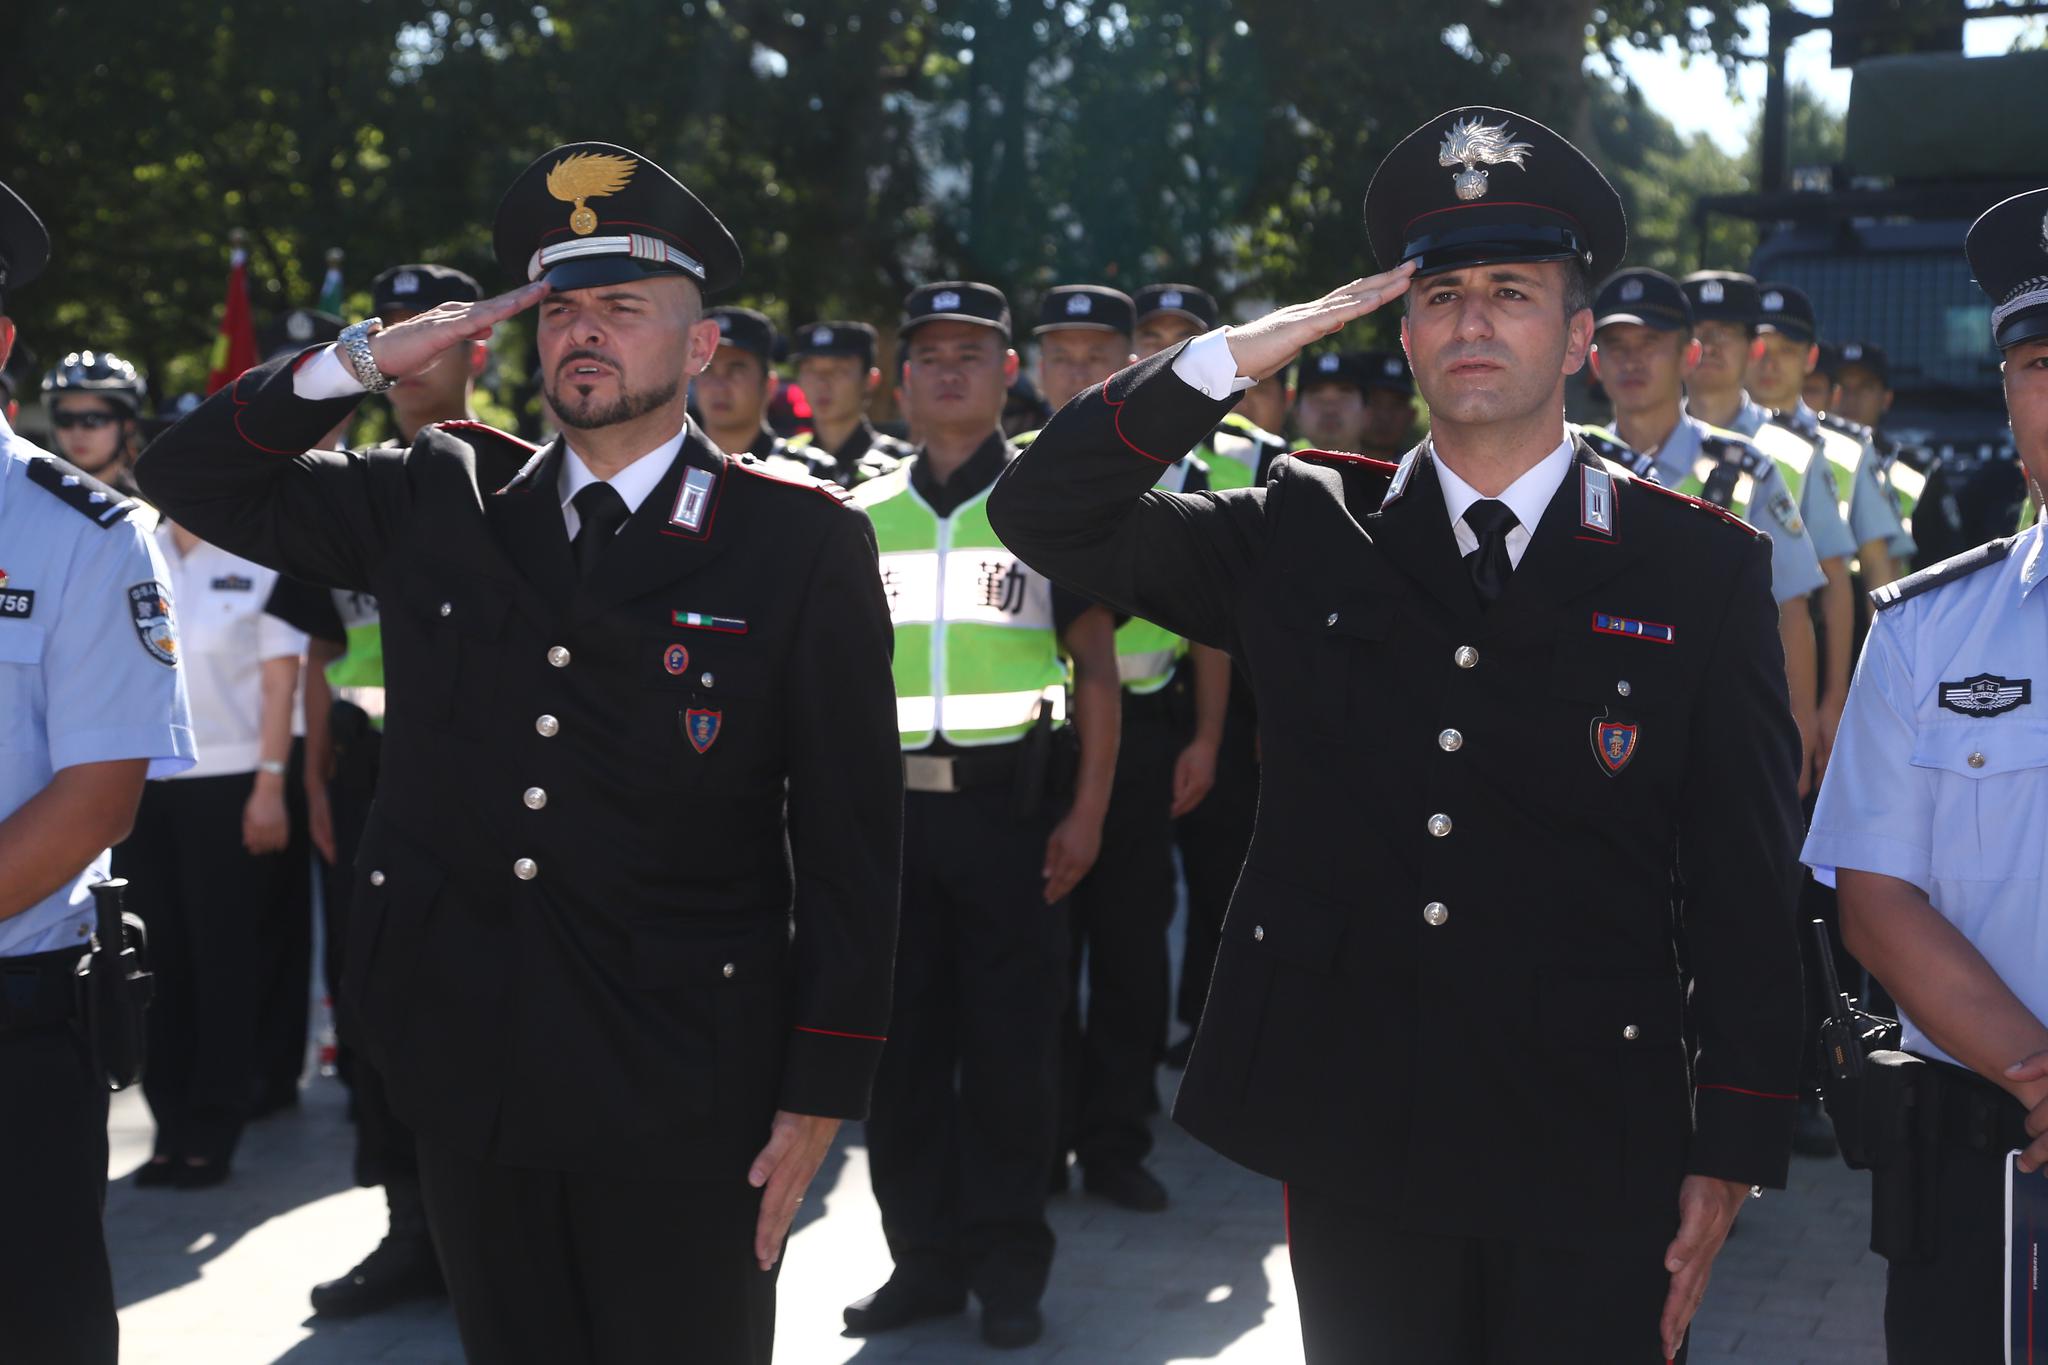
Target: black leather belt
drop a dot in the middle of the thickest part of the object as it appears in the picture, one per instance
(39, 990)
(959, 772)
(1975, 1113)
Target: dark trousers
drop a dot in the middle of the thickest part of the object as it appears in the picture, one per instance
(284, 947)
(56, 1291)
(1214, 838)
(965, 1103)
(1372, 1295)
(1119, 914)
(1948, 1308)
(203, 897)
(566, 1268)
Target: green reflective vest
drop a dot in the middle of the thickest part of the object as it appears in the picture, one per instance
(977, 652)
(1146, 654)
(357, 676)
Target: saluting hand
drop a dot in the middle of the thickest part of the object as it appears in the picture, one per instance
(1263, 348)
(407, 348)
(797, 1144)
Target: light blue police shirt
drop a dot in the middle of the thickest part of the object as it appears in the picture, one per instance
(88, 663)
(1795, 566)
(1940, 769)
(1819, 499)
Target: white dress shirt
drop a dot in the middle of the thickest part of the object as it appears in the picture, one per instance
(1208, 367)
(326, 375)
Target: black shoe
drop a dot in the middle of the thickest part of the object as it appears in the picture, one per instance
(1007, 1327)
(1177, 1055)
(1131, 1187)
(157, 1171)
(1812, 1133)
(897, 1304)
(402, 1267)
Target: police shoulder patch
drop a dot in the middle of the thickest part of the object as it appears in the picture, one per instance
(80, 491)
(1941, 575)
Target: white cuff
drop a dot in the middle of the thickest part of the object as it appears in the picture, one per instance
(1208, 367)
(326, 375)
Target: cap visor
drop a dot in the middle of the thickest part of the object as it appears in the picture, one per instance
(1195, 318)
(593, 271)
(1797, 331)
(1656, 322)
(2030, 325)
(1078, 327)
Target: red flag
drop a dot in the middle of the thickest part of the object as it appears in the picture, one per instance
(234, 350)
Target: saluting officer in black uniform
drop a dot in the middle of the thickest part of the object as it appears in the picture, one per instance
(1494, 700)
(628, 900)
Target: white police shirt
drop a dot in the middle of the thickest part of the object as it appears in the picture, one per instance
(1795, 565)
(224, 638)
(88, 659)
(1940, 769)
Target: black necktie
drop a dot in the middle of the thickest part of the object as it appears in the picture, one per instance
(1490, 565)
(602, 512)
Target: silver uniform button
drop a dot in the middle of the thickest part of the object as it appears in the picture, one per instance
(1467, 657)
(1450, 741)
(558, 656)
(526, 869)
(1623, 688)
(728, 970)
(548, 727)
(535, 797)
(1631, 1032)
(377, 877)
(1436, 912)
(1258, 933)
(447, 608)
(1331, 619)
(706, 679)
(1976, 760)
(1439, 825)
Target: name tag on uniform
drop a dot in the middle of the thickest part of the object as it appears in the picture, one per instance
(17, 602)
(233, 582)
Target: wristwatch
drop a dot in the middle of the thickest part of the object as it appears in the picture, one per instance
(355, 348)
(274, 766)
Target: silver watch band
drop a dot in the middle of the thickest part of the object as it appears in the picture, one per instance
(355, 348)
(273, 766)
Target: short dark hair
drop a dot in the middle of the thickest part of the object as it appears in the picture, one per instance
(1578, 287)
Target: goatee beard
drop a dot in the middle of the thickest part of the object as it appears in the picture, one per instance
(586, 414)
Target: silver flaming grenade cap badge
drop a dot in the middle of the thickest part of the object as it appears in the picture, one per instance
(1475, 146)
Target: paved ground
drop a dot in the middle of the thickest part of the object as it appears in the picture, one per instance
(219, 1277)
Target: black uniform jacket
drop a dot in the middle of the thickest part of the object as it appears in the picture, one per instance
(1478, 1023)
(696, 750)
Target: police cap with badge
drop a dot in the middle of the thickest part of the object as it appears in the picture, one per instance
(1868, 355)
(1182, 300)
(745, 329)
(1086, 308)
(956, 301)
(1646, 298)
(415, 288)
(1787, 311)
(835, 338)
(297, 330)
(591, 213)
(2008, 251)
(24, 244)
(1484, 186)
(1362, 370)
(1722, 296)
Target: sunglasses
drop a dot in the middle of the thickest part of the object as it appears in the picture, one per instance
(91, 421)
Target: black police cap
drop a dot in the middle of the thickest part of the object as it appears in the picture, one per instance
(298, 329)
(1827, 360)
(1722, 296)
(834, 338)
(746, 329)
(1085, 308)
(591, 213)
(1362, 370)
(1648, 298)
(1485, 186)
(1183, 300)
(416, 288)
(24, 243)
(1787, 311)
(1867, 354)
(956, 301)
(2008, 251)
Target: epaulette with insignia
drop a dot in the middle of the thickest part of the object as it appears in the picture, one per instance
(1940, 575)
(1608, 446)
(784, 474)
(1844, 425)
(1701, 504)
(80, 491)
(1721, 444)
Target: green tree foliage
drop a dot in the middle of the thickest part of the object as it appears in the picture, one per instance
(857, 146)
